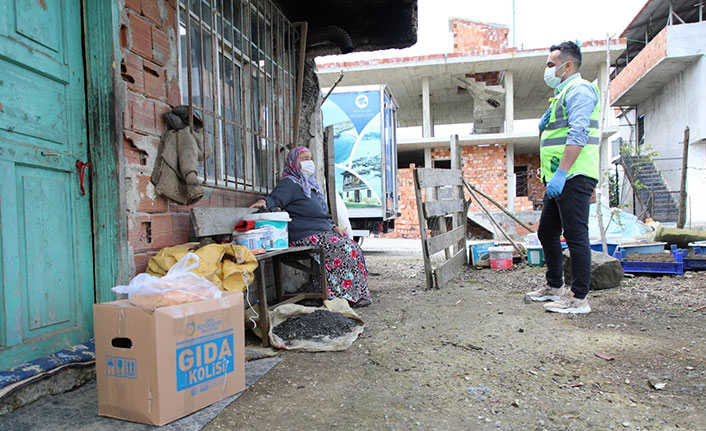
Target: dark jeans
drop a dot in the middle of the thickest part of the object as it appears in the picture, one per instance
(568, 212)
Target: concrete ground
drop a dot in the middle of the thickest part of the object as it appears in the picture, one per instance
(470, 356)
(474, 356)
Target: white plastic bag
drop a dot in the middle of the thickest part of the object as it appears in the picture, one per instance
(179, 286)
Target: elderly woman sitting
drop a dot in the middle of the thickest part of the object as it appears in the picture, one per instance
(299, 195)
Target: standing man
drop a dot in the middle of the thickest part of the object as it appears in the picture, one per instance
(570, 142)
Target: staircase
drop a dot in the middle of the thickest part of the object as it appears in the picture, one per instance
(650, 189)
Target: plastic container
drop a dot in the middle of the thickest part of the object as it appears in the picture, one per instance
(691, 264)
(646, 248)
(675, 268)
(698, 247)
(597, 246)
(535, 255)
(500, 257)
(275, 223)
(479, 253)
(252, 239)
(533, 240)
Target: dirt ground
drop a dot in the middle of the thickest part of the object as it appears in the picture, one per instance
(474, 356)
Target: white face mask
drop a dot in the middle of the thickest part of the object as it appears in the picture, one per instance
(307, 168)
(550, 77)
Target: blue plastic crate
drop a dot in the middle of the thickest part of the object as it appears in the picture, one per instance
(597, 246)
(675, 268)
(698, 247)
(692, 264)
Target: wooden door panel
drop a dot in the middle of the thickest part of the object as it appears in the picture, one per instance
(46, 288)
(34, 105)
(38, 20)
(46, 248)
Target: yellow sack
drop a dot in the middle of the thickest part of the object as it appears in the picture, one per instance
(228, 266)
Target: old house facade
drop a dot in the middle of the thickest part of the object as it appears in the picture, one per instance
(81, 115)
(658, 88)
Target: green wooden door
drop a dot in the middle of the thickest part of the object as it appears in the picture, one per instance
(46, 289)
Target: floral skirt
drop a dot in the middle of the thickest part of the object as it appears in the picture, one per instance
(346, 273)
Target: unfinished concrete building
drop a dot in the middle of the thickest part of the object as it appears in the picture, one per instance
(489, 84)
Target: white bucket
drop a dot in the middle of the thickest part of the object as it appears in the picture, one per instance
(252, 239)
(275, 223)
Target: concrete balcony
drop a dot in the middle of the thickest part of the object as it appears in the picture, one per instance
(666, 55)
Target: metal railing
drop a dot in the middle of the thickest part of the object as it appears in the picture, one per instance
(237, 72)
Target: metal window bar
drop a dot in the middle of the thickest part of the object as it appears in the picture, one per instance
(240, 54)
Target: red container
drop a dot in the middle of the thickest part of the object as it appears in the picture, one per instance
(500, 257)
(501, 263)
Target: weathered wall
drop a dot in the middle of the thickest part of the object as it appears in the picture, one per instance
(680, 103)
(149, 68)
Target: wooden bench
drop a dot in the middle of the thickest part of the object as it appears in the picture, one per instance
(220, 221)
(293, 257)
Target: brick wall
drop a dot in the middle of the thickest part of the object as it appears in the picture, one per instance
(474, 36)
(638, 66)
(407, 224)
(484, 167)
(536, 189)
(149, 69)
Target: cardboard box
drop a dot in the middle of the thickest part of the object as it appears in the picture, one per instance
(155, 366)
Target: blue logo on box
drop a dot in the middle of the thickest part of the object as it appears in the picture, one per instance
(117, 366)
(202, 360)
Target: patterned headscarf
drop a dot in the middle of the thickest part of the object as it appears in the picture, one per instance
(292, 171)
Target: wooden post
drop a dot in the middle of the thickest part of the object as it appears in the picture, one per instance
(423, 231)
(458, 191)
(682, 192)
(303, 31)
(472, 188)
(330, 173)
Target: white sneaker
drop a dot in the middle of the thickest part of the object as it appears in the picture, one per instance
(567, 304)
(546, 293)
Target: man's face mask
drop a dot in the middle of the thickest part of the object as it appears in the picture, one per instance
(550, 77)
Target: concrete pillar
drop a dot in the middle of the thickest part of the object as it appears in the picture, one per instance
(427, 158)
(511, 184)
(509, 102)
(427, 121)
(605, 150)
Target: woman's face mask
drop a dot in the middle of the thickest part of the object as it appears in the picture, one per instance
(550, 77)
(307, 168)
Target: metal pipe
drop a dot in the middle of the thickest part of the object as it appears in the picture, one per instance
(335, 84)
(189, 84)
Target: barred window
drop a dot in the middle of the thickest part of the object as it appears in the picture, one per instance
(237, 72)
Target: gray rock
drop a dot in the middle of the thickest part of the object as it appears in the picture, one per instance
(606, 271)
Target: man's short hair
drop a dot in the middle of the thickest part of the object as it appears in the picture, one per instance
(569, 51)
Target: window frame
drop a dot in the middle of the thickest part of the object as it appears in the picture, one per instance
(262, 52)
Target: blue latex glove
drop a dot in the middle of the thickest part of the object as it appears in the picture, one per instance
(545, 119)
(556, 184)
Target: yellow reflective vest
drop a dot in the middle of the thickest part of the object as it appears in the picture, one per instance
(556, 132)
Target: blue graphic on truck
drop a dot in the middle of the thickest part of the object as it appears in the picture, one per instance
(364, 120)
(204, 359)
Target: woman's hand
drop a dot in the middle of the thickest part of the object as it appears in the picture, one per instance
(260, 203)
(340, 232)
